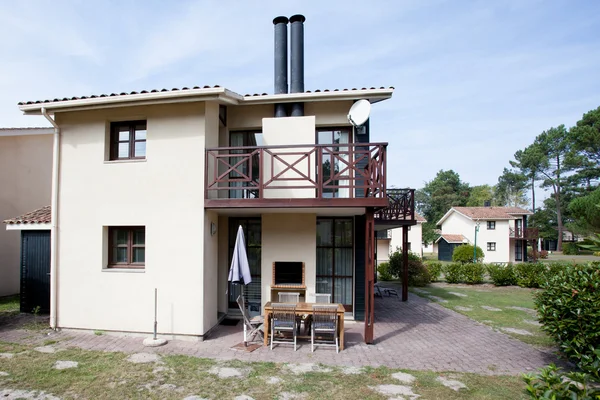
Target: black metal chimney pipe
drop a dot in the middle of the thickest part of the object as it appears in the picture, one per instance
(297, 61)
(281, 61)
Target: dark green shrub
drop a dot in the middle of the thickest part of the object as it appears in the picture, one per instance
(502, 274)
(435, 270)
(569, 312)
(418, 275)
(551, 383)
(530, 275)
(473, 273)
(464, 254)
(570, 249)
(396, 262)
(454, 273)
(383, 271)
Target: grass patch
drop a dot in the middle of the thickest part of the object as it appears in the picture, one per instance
(105, 375)
(498, 297)
(10, 304)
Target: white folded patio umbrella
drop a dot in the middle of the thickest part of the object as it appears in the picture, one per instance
(239, 272)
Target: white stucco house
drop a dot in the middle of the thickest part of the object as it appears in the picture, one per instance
(502, 232)
(25, 170)
(390, 240)
(150, 187)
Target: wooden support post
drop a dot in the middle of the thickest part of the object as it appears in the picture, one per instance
(404, 263)
(369, 276)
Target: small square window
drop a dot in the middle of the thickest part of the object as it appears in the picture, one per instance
(491, 225)
(128, 140)
(491, 246)
(127, 247)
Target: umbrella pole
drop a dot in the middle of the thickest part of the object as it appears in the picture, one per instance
(244, 305)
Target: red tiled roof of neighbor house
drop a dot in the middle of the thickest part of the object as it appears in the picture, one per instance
(492, 212)
(40, 216)
(419, 218)
(452, 238)
(94, 96)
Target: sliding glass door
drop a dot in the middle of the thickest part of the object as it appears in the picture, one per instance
(252, 234)
(335, 264)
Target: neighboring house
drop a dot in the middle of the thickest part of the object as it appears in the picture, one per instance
(153, 185)
(390, 240)
(502, 233)
(25, 171)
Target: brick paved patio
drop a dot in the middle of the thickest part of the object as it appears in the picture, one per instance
(418, 335)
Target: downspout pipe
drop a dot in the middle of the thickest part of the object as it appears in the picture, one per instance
(54, 222)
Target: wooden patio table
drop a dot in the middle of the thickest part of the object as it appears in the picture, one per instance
(302, 309)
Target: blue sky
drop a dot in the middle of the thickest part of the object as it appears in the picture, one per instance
(475, 80)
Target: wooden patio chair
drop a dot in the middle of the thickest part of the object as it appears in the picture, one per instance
(283, 320)
(252, 326)
(324, 322)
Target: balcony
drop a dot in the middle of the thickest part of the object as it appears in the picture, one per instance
(307, 175)
(524, 233)
(400, 212)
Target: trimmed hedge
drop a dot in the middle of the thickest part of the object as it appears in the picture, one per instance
(435, 269)
(418, 274)
(473, 273)
(464, 254)
(383, 271)
(502, 274)
(569, 312)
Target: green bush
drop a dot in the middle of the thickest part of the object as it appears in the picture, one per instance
(473, 273)
(454, 273)
(464, 254)
(530, 275)
(435, 270)
(569, 313)
(383, 271)
(396, 262)
(570, 249)
(502, 274)
(551, 383)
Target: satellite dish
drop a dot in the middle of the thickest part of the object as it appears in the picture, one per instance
(359, 112)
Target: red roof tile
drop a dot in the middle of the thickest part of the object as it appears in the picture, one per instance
(323, 90)
(452, 238)
(39, 216)
(419, 218)
(492, 212)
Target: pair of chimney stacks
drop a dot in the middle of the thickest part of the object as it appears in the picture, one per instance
(297, 62)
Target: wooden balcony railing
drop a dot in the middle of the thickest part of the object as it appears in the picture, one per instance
(401, 207)
(344, 171)
(524, 233)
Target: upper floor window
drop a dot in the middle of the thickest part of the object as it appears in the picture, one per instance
(491, 246)
(128, 140)
(491, 224)
(127, 247)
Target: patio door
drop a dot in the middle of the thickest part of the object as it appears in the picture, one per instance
(248, 168)
(335, 263)
(252, 234)
(335, 159)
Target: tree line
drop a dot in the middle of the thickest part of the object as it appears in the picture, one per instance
(565, 161)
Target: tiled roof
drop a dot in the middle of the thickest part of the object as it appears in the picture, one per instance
(324, 91)
(419, 218)
(452, 238)
(115, 94)
(56, 100)
(492, 212)
(28, 128)
(39, 216)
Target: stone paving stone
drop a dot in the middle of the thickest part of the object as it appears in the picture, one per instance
(418, 334)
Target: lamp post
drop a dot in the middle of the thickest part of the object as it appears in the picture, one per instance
(475, 246)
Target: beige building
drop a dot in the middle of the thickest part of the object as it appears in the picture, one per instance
(390, 240)
(150, 188)
(25, 171)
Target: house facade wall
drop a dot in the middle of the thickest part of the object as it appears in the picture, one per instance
(415, 238)
(164, 193)
(459, 224)
(26, 180)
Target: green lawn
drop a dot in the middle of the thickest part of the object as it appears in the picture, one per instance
(503, 298)
(110, 376)
(9, 304)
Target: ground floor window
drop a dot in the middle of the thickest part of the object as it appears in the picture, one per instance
(491, 246)
(335, 263)
(518, 250)
(127, 248)
(252, 234)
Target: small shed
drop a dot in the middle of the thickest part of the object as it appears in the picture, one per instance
(446, 244)
(35, 258)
